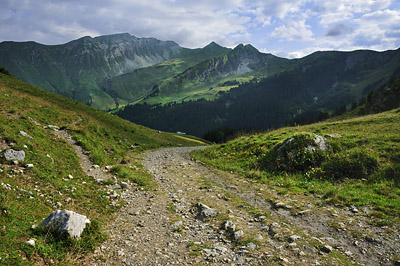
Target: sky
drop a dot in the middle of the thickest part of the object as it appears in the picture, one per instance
(286, 28)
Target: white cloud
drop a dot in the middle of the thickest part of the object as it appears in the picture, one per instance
(301, 26)
(293, 30)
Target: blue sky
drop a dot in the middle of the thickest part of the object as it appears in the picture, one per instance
(291, 28)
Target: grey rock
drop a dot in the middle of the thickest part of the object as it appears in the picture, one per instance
(23, 133)
(238, 234)
(209, 252)
(372, 240)
(124, 185)
(309, 249)
(205, 212)
(318, 143)
(259, 218)
(348, 253)
(229, 226)
(13, 155)
(52, 127)
(251, 245)
(303, 213)
(282, 205)
(321, 142)
(354, 209)
(65, 223)
(284, 259)
(326, 249)
(221, 249)
(259, 237)
(177, 224)
(293, 238)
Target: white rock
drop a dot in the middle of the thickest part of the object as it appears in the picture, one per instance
(23, 133)
(205, 211)
(293, 238)
(229, 226)
(29, 165)
(124, 185)
(259, 237)
(238, 234)
(65, 222)
(13, 155)
(30, 242)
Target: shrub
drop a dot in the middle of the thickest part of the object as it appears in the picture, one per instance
(356, 165)
(297, 154)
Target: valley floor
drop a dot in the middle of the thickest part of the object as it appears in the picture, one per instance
(162, 227)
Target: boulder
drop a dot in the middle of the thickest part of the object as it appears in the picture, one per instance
(65, 223)
(13, 155)
(229, 226)
(300, 152)
(205, 212)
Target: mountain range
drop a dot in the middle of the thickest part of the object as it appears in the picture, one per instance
(85, 69)
(165, 86)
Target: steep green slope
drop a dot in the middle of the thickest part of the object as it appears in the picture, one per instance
(361, 165)
(81, 69)
(220, 73)
(29, 194)
(136, 85)
(316, 84)
(92, 70)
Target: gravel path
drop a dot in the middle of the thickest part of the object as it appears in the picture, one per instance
(168, 226)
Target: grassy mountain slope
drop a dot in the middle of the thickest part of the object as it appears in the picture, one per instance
(136, 85)
(28, 195)
(208, 78)
(81, 69)
(321, 82)
(361, 166)
(89, 69)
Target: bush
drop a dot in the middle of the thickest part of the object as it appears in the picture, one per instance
(357, 165)
(297, 154)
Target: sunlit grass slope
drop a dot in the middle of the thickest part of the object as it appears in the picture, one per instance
(362, 167)
(27, 195)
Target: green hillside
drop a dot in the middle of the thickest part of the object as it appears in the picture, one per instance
(136, 85)
(307, 90)
(100, 71)
(360, 167)
(29, 194)
(208, 78)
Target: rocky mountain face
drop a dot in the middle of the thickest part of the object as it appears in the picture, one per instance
(82, 69)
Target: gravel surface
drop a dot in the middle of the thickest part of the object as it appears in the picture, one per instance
(184, 222)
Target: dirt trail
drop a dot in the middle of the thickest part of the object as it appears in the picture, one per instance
(162, 227)
(86, 163)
